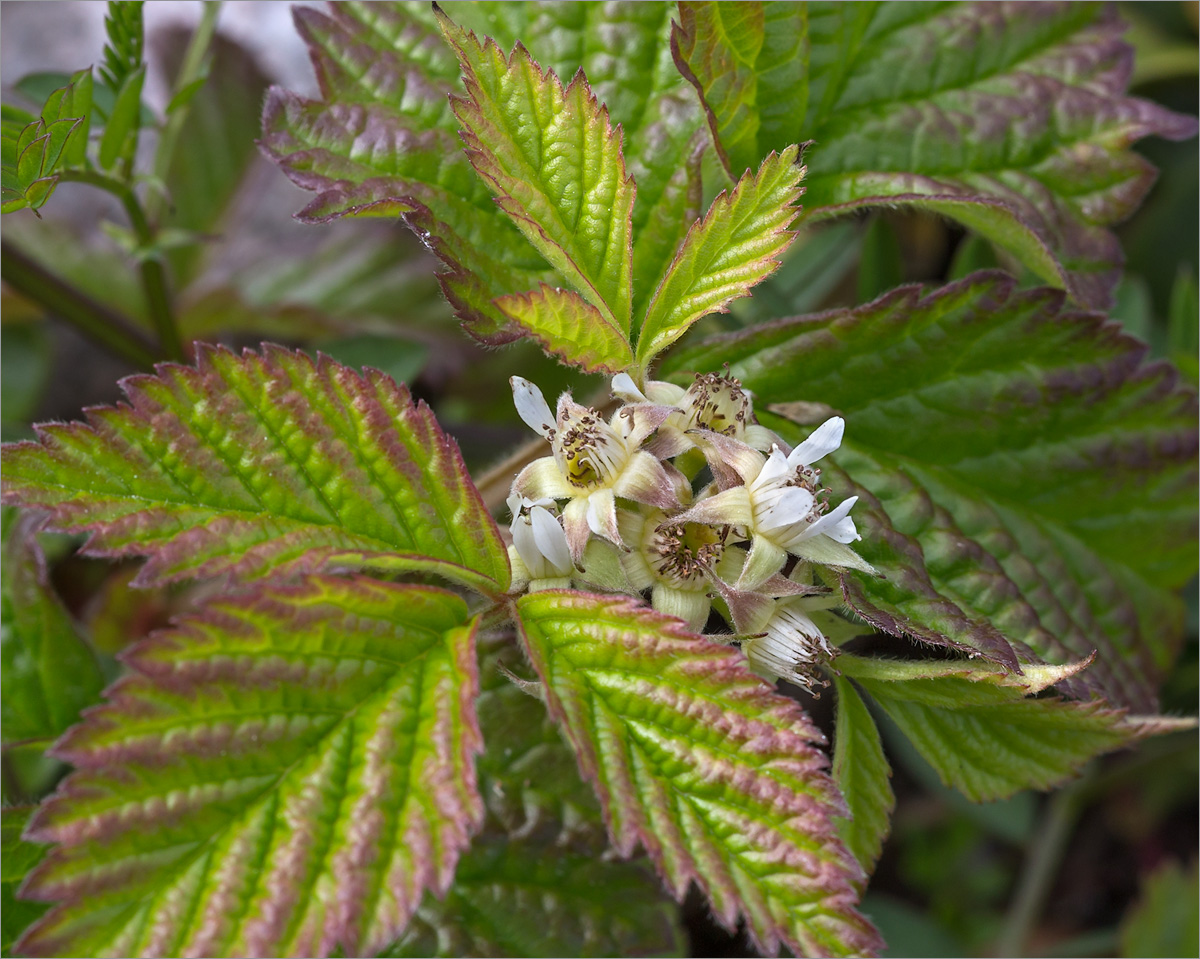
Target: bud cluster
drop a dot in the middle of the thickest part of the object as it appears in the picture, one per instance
(682, 493)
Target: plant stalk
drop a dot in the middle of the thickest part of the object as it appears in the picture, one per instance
(93, 319)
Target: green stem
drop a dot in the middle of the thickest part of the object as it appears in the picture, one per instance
(190, 70)
(153, 274)
(93, 319)
(1040, 867)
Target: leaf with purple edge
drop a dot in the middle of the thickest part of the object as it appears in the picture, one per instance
(699, 761)
(284, 773)
(258, 465)
(554, 161)
(569, 326)
(1010, 118)
(988, 739)
(735, 246)
(1033, 496)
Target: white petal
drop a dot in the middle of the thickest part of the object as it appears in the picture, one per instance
(532, 406)
(780, 506)
(624, 388)
(526, 544)
(550, 538)
(514, 502)
(835, 524)
(662, 392)
(776, 468)
(824, 440)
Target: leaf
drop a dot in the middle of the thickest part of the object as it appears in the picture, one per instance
(735, 246)
(120, 136)
(284, 773)
(752, 58)
(987, 741)
(49, 673)
(564, 184)
(862, 774)
(123, 51)
(255, 465)
(35, 148)
(1009, 118)
(1027, 477)
(1164, 921)
(19, 857)
(701, 763)
(570, 327)
(522, 898)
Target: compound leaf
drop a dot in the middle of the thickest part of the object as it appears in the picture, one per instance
(735, 246)
(284, 773)
(862, 774)
(263, 464)
(1027, 477)
(985, 739)
(1010, 118)
(49, 673)
(701, 763)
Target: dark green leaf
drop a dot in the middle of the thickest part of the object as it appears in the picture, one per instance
(862, 774)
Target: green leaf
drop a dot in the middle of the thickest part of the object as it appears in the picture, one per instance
(120, 136)
(570, 327)
(1165, 920)
(19, 857)
(752, 60)
(123, 53)
(700, 762)
(881, 266)
(563, 183)
(984, 738)
(285, 773)
(1027, 478)
(1012, 120)
(862, 774)
(49, 673)
(263, 464)
(735, 246)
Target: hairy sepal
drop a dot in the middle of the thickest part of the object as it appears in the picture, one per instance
(282, 774)
(1032, 500)
(699, 761)
(262, 464)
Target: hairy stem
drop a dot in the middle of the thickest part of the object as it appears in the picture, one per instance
(93, 319)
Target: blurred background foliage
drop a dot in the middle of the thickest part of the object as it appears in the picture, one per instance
(1104, 867)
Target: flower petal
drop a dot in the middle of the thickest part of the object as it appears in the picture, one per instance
(532, 406)
(836, 524)
(551, 540)
(824, 440)
(623, 388)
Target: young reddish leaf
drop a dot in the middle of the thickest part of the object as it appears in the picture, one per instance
(570, 327)
(555, 164)
(263, 464)
(735, 246)
(1032, 495)
(284, 774)
(1010, 118)
(985, 738)
(699, 761)
(862, 773)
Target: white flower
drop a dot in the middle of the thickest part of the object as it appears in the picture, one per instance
(790, 647)
(540, 542)
(776, 504)
(594, 462)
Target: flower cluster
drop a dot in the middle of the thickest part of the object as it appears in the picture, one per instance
(680, 492)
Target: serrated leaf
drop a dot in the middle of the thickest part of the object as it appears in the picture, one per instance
(1010, 118)
(1027, 478)
(569, 326)
(862, 774)
(284, 773)
(123, 51)
(526, 898)
(700, 762)
(985, 739)
(49, 673)
(263, 464)
(19, 857)
(562, 181)
(735, 246)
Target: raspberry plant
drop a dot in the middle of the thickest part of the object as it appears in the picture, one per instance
(387, 726)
